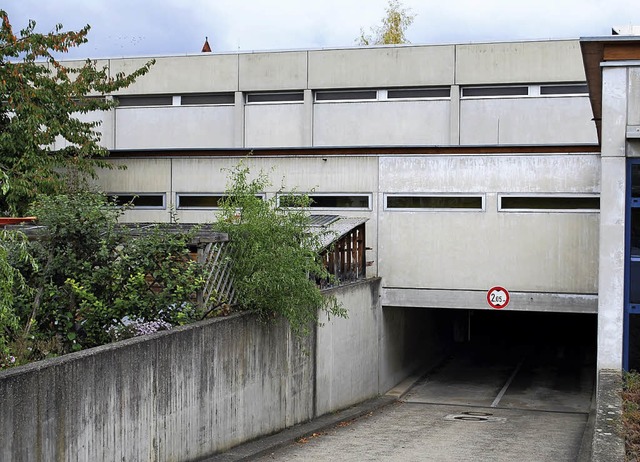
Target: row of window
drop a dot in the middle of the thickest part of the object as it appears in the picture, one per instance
(436, 202)
(418, 93)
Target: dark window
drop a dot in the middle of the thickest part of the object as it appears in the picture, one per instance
(202, 201)
(199, 201)
(434, 202)
(635, 180)
(279, 97)
(549, 203)
(419, 93)
(210, 98)
(495, 91)
(563, 89)
(327, 201)
(138, 200)
(346, 95)
(161, 100)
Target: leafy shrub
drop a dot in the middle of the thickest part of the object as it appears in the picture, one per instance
(275, 257)
(89, 276)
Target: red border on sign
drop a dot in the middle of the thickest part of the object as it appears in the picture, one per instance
(498, 289)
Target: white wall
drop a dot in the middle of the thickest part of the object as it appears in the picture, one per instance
(382, 123)
(529, 121)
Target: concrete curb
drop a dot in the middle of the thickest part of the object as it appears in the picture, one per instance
(608, 442)
(265, 445)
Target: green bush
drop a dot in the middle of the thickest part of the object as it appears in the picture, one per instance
(275, 260)
(91, 281)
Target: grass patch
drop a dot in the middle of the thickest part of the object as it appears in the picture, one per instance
(631, 415)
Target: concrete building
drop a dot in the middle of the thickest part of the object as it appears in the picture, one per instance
(477, 165)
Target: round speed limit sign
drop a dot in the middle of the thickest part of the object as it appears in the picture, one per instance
(498, 297)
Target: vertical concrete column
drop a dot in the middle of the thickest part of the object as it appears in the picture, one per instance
(307, 124)
(454, 123)
(108, 127)
(612, 218)
(238, 122)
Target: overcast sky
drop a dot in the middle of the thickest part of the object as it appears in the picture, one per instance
(169, 27)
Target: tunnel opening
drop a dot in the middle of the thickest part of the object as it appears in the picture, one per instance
(529, 360)
(517, 328)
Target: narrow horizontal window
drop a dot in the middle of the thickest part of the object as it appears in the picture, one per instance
(149, 100)
(564, 89)
(495, 91)
(542, 203)
(346, 95)
(416, 93)
(208, 98)
(204, 201)
(276, 97)
(435, 202)
(346, 201)
(138, 200)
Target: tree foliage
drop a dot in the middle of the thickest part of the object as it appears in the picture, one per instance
(393, 27)
(41, 102)
(275, 260)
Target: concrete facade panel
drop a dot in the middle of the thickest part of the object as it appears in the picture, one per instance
(486, 173)
(273, 71)
(175, 127)
(370, 67)
(330, 174)
(477, 300)
(614, 111)
(274, 125)
(633, 110)
(105, 128)
(611, 263)
(528, 121)
(538, 252)
(381, 123)
(146, 176)
(519, 62)
(181, 74)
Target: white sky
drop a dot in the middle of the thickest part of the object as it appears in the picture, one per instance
(169, 27)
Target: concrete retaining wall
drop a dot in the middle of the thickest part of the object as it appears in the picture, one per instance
(411, 340)
(190, 392)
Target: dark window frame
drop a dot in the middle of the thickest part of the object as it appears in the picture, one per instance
(564, 89)
(435, 202)
(548, 203)
(198, 195)
(418, 93)
(332, 196)
(275, 97)
(208, 99)
(144, 100)
(344, 95)
(124, 198)
(495, 91)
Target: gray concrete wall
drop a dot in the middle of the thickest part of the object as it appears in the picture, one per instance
(347, 349)
(411, 340)
(428, 249)
(189, 392)
(612, 220)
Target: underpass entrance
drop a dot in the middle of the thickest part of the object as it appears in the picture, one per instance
(517, 360)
